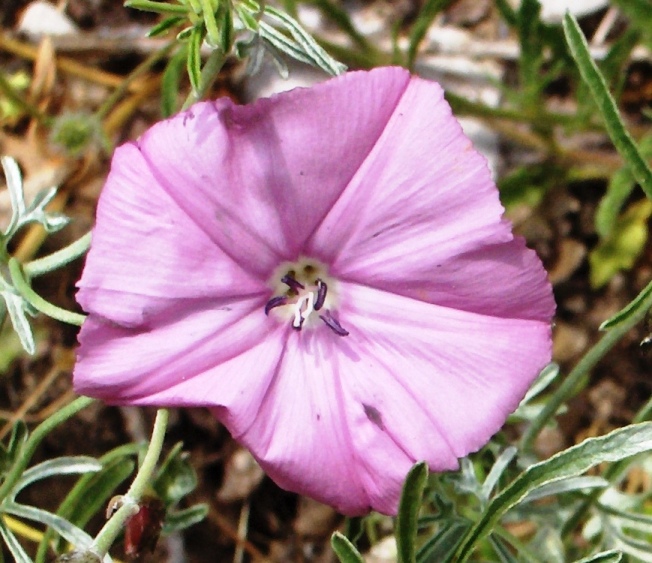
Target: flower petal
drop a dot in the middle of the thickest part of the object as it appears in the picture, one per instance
(146, 253)
(429, 371)
(302, 439)
(502, 280)
(422, 196)
(263, 176)
(213, 354)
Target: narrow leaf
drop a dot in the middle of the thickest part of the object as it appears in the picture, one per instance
(164, 26)
(544, 379)
(59, 466)
(344, 549)
(616, 445)
(16, 550)
(423, 22)
(14, 182)
(170, 83)
(606, 104)
(194, 57)
(316, 54)
(17, 314)
(630, 310)
(611, 556)
(408, 512)
(158, 7)
(65, 529)
(282, 43)
(502, 551)
(181, 519)
(565, 486)
(496, 471)
(443, 544)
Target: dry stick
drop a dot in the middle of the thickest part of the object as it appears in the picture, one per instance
(44, 413)
(68, 65)
(225, 527)
(243, 526)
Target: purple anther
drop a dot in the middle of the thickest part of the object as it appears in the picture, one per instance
(275, 302)
(322, 288)
(333, 324)
(288, 280)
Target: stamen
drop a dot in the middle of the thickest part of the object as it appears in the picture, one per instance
(333, 324)
(322, 288)
(288, 280)
(275, 302)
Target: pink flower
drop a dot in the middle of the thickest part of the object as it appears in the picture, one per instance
(328, 270)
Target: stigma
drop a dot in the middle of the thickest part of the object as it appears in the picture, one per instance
(304, 295)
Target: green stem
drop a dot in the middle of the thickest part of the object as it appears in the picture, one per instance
(59, 258)
(35, 300)
(40, 432)
(140, 70)
(584, 366)
(112, 528)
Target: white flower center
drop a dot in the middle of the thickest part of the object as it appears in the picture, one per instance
(303, 292)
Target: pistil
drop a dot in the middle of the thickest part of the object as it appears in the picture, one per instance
(307, 292)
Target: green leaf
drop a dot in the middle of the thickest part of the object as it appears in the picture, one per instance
(310, 48)
(424, 20)
(282, 43)
(14, 181)
(620, 137)
(158, 7)
(68, 465)
(164, 26)
(616, 445)
(17, 309)
(632, 309)
(96, 491)
(194, 57)
(507, 12)
(531, 57)
(176, 477)
(442, 545)
(212, 32)
(177, 520)
(226, 27)
(502, 550)
(16, 550)
(620, 187)
(344, 549)
(626, 243)
(65, 529)
(565, 486)
(610, 556)
(171, 81)
(496, 471)
(541, 383)
(408, 512)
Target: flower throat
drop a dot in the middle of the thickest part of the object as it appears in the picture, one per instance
(303, 291)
